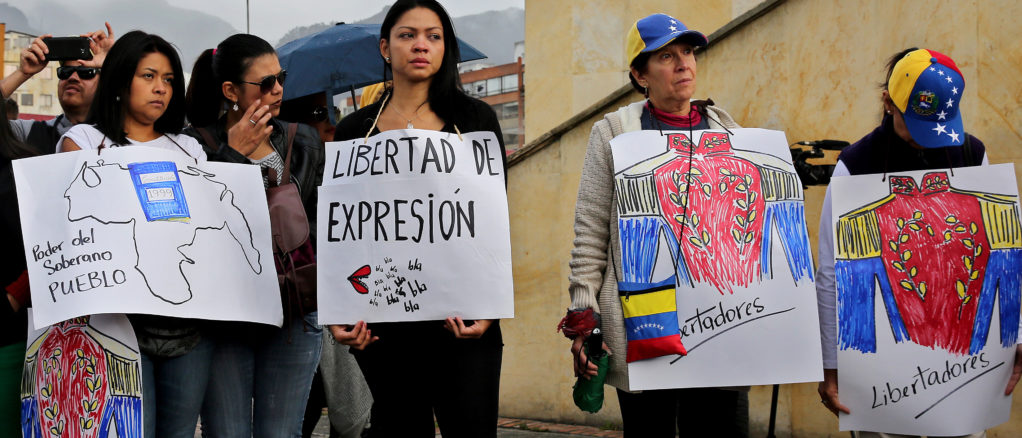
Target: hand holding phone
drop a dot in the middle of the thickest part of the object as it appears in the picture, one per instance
(67, 48)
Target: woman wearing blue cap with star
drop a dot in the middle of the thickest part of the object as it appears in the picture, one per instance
(921, 129)
(661, 54)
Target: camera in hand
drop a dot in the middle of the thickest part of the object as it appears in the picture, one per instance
(814, 174)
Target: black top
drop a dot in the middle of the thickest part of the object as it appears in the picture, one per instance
(882, 151)
(478, 117)
(306, 157)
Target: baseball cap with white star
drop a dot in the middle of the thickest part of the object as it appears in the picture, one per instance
(657, 30)
(927, 87)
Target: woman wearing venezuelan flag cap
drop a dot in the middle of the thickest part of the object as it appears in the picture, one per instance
(661, 55)
(914, 134)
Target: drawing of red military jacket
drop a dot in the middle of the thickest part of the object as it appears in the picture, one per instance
(710, 210)
(942, 257)
(79, 382)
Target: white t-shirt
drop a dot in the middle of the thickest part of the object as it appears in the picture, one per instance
(88, 137)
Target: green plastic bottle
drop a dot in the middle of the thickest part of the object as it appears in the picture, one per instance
(588, 394)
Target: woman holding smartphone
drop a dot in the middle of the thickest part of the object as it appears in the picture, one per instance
(457, 362)
(140, 102)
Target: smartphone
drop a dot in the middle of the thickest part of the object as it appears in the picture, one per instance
(67, 48)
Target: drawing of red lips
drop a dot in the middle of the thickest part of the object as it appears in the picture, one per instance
(356, 279)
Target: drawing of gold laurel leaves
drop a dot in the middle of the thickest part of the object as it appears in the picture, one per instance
(722, 187)
(737, 235)
(740, 220)
(706, 190)
(86, 423)
(922, 289)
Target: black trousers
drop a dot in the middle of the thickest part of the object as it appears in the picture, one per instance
(418, 370)
(691, 412)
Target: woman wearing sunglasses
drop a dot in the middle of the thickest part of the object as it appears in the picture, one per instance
(140, 101)
(456, 362)
(261, 382)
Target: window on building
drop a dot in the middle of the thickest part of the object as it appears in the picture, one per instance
(45, 100)
(26, 100)
(509, 111)
(47, 73)
(492, 86)
(509, 83)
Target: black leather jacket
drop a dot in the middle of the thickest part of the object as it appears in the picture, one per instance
(306, 157)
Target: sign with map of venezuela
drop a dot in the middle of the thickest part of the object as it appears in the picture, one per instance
(145, 230)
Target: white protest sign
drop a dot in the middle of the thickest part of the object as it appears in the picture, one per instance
(145, 230)
(82, 377)
(413, 225)
(715, 256)
(927, 267)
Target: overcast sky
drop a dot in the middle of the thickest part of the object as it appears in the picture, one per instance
(271, 19)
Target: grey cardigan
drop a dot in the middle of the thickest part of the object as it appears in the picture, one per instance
(591, 284)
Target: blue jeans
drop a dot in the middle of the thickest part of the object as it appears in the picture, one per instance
(173, 389)
(261, 381)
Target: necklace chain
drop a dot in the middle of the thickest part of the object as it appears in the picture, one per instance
(415, 115)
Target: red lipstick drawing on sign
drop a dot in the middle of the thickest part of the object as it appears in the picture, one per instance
(356, 279)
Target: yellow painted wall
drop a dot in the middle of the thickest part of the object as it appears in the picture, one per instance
(576, 50)
(808, 67)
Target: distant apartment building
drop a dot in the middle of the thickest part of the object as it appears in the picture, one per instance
(501, 87)
(37, 97)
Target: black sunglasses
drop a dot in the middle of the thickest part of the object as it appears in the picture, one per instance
(84, 73)
(266, 84)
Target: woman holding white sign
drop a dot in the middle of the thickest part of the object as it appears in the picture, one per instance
(913, 135)
(140, 102)
(263, 375)
(457, 362)
(661, 54)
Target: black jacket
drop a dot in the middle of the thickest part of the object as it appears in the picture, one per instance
(306, 157)
(882, 151)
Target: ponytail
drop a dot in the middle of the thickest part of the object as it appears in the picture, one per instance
(227, 63)
(205, 96)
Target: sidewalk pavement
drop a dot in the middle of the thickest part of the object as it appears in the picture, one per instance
(517, 428)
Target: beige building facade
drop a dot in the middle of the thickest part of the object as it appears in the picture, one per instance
(809, 67)
(37, 95)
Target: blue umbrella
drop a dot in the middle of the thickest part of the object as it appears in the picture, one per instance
(341, 58)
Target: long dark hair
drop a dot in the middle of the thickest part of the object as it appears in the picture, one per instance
(446, 97)
(232, 58)
(114, 89)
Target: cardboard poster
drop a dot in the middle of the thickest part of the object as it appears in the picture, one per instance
(715, 260)
(145, 230)
(413, 225)
(928, 297)
(82, 379)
